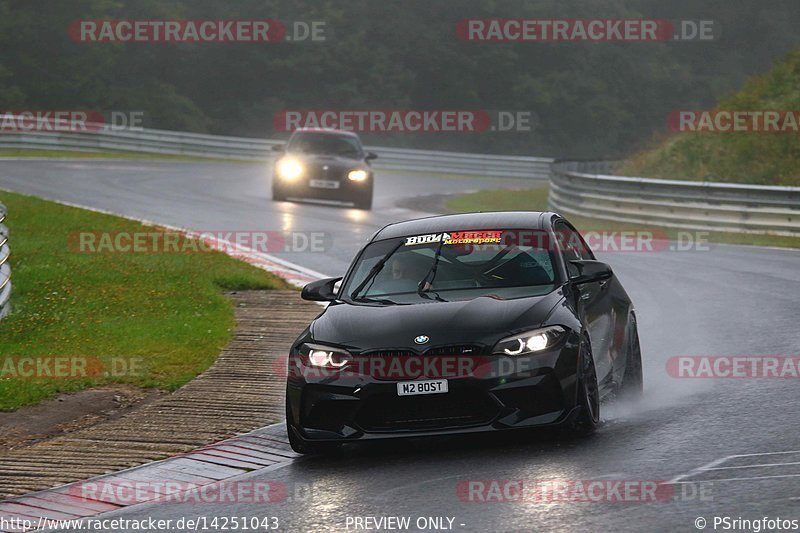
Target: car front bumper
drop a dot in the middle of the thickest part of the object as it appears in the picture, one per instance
(499, 393)
(347, 191)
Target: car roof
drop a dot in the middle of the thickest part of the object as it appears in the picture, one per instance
(324, 130)
(485, 220)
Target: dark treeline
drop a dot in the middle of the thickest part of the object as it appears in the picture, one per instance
(588, 99)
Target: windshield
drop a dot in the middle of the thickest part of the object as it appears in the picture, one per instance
(457, 265)
(325, 144)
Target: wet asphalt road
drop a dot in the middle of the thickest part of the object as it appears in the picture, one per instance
(725, 300)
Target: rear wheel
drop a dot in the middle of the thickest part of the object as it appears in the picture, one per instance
(633, 380)
(588, 415)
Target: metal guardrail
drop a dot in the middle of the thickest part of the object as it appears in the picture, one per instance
(104, 138)
(577, 188)
(582, 188)
(5, 266)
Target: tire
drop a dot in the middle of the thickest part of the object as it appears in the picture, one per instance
(632, 380)
(304, 447)
(365, 202)
(278, 195)
(587, 418)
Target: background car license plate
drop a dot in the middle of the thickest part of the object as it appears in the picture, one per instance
(324, 184)
(434, 386)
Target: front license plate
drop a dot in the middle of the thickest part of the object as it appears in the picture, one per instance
(324, 184)
(410, 388)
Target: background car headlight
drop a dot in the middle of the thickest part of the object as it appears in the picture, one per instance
(289, 169)
(357, 175)
(530, 341)
(325, 356)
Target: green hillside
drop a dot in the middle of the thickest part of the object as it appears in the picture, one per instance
(741, 157)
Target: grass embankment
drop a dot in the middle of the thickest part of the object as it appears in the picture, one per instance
(162, 312)
(767, 158)
(536, 200)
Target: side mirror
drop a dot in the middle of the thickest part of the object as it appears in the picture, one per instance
(589, 271)
(320, 291)
(278, 147)
(370, 156)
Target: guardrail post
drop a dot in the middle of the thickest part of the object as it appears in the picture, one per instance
(5, 266)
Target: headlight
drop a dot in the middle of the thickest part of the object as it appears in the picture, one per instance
(289, 169)
(530, 341)
(357, 175)
(325, 356)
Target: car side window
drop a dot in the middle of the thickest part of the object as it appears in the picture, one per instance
(572, 245)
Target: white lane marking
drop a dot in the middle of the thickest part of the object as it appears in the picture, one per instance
(713, 466)
(698, 470)
(250, 255)
(752, 466)
(751, 246)
(764, 453)
(734, 479)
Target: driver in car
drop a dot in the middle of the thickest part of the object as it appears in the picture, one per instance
(404, 274)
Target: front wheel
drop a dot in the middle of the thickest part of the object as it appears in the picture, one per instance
(588, 415)
(632, 380)
(278, 195)
(304, 447)
(365, 202)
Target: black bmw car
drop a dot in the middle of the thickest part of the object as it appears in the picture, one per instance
(463, 323)
(324, 164)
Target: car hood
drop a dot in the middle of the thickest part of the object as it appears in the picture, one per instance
(482, 320)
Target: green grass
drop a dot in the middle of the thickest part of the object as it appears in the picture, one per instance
(166, 309)
(760, 158)
(536, 200)
(114, 155)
